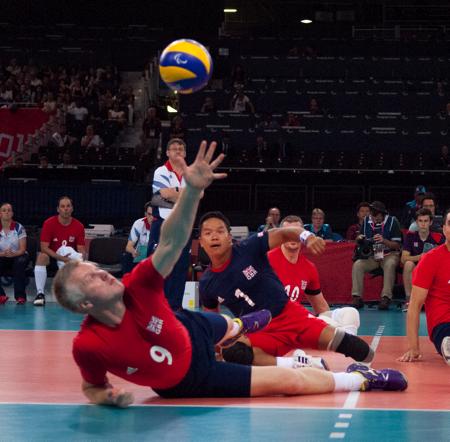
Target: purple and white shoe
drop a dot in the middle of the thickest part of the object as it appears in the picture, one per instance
(249, 323)
(385, 379)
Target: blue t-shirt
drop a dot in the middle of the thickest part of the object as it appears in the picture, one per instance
(324, 232)
(247, 283)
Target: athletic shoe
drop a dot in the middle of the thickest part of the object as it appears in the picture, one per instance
(405, 306)
(39, 301)
(301, 359)
(3, 299)
(249, 323)
(357, 302)
(445, 349)
(21, 301)
(386, 379)
(384, 303)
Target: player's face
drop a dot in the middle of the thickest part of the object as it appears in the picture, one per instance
(215, 237)
(446, 229)
(292, 246)
(423, 223)
(6, 212)
(100, 287)
(65, 208)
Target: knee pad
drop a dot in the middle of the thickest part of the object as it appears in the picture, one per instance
(346, 318)
(239, 353)
(352, 346)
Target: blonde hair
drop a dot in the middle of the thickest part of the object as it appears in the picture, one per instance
(68, 295)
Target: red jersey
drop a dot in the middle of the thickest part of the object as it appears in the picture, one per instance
(55, 233)
(433, 273)
(299, 278)
(149, 347)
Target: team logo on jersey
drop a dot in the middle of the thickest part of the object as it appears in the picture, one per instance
(304, 284)
(220, 300)
(155, 325)
(249, 272)
(131, 370)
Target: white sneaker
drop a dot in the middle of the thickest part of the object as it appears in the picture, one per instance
(445, 349)
(301, 359)
(39, 301)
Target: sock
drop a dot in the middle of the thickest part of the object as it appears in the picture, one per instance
(347, 381)
(40, 276)
(285, 361)
(237, 327)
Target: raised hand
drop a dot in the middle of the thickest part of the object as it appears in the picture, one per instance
(200, 174)
(315, 244)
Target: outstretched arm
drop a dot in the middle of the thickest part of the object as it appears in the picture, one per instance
(418, 296)
(177, 228)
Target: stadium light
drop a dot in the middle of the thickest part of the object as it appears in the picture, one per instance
(230, 10)
(171, 109)
(306, 21)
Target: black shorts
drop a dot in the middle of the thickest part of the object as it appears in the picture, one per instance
(439, 333)
(207, 377)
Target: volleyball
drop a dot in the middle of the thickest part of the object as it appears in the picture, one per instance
(185, 66)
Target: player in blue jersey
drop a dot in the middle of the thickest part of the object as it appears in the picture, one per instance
(241, 278)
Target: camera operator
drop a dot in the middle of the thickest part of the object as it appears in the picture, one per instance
(377, 246)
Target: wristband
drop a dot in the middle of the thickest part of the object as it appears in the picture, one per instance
(305, 235)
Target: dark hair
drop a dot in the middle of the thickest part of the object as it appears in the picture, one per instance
(362, 204)
(147, 205)
(176, 141)
(291, 219)
(5, 203)
(65, 197)
(428, 196)
(218, 215)
(444, 218)
(423, 212)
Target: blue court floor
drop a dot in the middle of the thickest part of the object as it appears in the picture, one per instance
(36, 404)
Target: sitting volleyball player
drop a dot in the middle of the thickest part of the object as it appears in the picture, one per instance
(299, 277)
(132, 332)
(240, 278)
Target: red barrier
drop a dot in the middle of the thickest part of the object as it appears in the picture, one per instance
(16, 127)
(335, 271)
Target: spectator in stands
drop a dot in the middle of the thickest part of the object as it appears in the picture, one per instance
(362, 210)
(66, 162)
(49, 104)
(177, 129)
(43, 163)
(167, 185)
(428, 201)
(382, 251)
(292, 120)
(411, 207)
(314, 108)
(443, 160)
(268, 122)
(151, 129)
(272, 220)
(13, 255)
(24, 95)
(6, 95)
(117, 115)
(61, 140)
(138, 245)
(416, 244)
(91, 139)
(208, 106)
(238, 76)
(57, 231)
(78, 110)
(241, 103)
(318, 226)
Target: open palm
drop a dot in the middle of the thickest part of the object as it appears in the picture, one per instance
(200, 174)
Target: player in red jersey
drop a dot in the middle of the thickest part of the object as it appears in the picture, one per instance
(58, 233)
(131, 330)
(431, 286)
(300, 279)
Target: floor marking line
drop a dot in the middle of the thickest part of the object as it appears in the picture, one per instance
(345, 416)
(335, 435)
(341, 425)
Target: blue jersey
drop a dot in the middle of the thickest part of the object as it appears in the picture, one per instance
(247, 282)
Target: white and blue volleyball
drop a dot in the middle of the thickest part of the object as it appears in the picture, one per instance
(185, 66)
